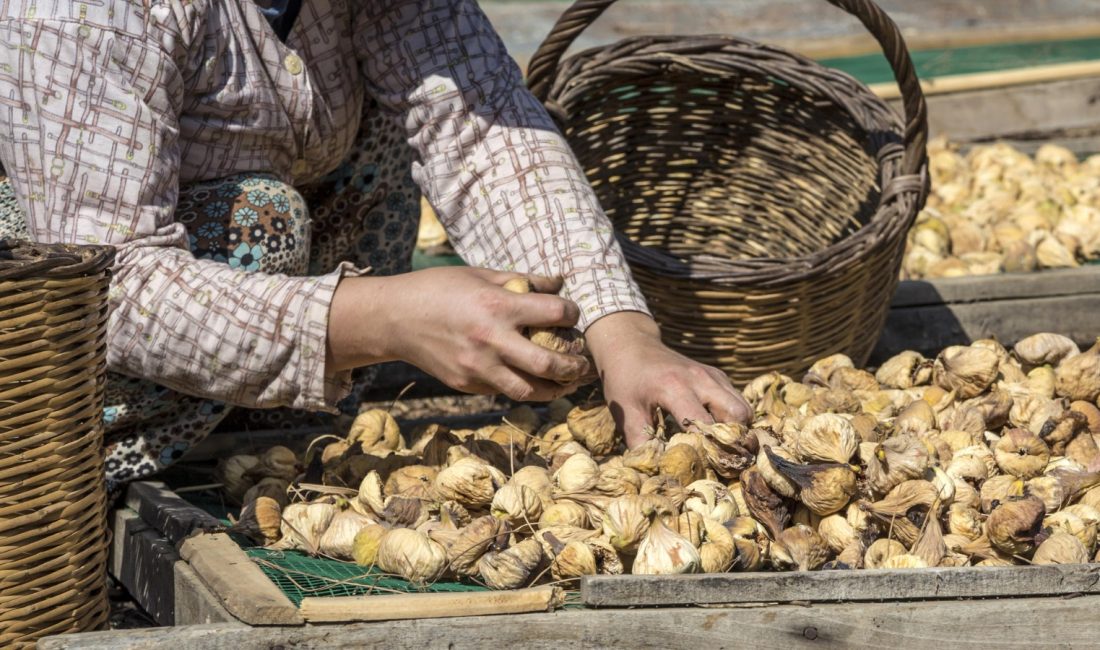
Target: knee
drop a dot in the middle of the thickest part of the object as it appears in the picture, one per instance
(251, 222)
(282, 230)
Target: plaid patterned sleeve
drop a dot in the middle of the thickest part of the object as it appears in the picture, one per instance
(503, 180)
(88, 126)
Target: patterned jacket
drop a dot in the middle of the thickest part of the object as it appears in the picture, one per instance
(107, 106)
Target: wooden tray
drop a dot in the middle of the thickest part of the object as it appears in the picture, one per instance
(1025, 108)
(929, 315)
(185, 579)
(168, 556)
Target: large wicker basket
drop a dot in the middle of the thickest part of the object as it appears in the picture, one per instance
(762, 199)
(53, 545)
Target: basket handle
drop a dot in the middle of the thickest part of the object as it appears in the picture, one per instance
(542, 69)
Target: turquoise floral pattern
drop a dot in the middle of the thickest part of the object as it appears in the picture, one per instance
(246, 257)
(246, 216)
(259, 198)
(280, 202)
(173, 452)
(216, 210)
(110, 414)
(211, 230)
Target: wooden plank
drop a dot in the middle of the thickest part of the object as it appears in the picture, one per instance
(342, 609)
(1023, 623)
(142, 561)
(982, 80)
(238, 583)
(162, 509)
(1081, 146)
(827, 586)
(194, 602)
(931, 328)
(1059, 109)
(1007, 286)
(152, 572)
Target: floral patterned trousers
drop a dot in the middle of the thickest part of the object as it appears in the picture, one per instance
(365, 212)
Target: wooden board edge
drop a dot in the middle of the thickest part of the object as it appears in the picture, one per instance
(847, 586)
(343, 609)
(1024, 622)
(238, 583)
(165, 511)
(194, 603)
(1004, 78)
(929, 330)
(1004, 286)
(141, 561)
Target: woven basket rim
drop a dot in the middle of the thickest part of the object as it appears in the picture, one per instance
(21, 259)
(723, 54)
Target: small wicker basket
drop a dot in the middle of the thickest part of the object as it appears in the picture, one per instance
(761, 199)
(53, 545)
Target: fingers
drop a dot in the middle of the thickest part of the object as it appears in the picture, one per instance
(541, 283)
(543, 310)
(522, 387)
(541, 363)
(708, 398)
(685, 404)
(726, 406)
(544, 284)
(633, 423)
(723, 400)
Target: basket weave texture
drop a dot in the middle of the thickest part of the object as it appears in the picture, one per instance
(53, 545)
(761, 199)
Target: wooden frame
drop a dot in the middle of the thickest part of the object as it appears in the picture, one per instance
(167, 555)
(936, 583)
(929, 315)
(862, 44)
(1001, 79)
(1024, 108)
(1023, 622)
(181, 578)
(230, 587)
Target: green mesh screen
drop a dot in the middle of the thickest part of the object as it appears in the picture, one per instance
(299, 575)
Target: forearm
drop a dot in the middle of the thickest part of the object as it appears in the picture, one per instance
(205, 329)
(503, 180)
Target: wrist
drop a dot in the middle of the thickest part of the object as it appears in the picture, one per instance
(619, 330)
(361, 328)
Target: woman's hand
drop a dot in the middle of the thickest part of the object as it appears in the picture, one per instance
(640, 373)
(459, 325)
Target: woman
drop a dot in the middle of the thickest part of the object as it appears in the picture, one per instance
(248, 161)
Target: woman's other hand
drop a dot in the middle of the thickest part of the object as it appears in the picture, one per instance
(459, 325)
(640, 373)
